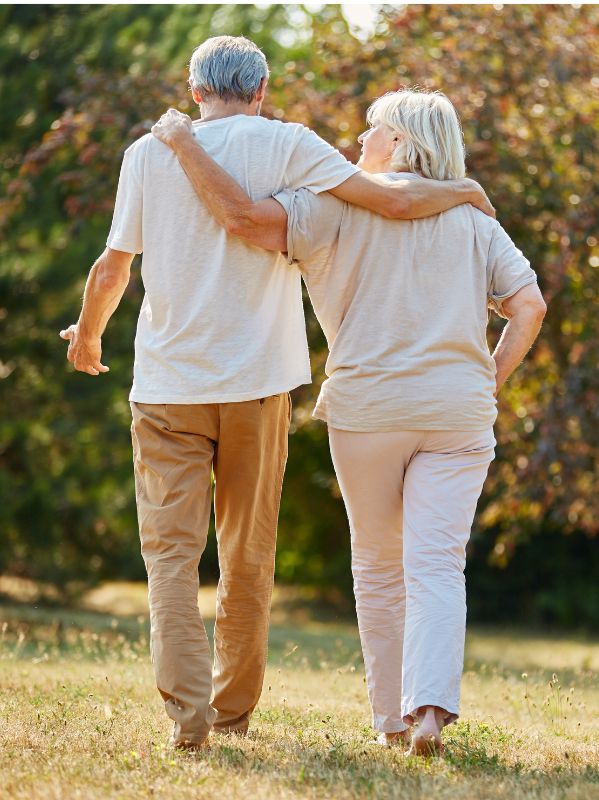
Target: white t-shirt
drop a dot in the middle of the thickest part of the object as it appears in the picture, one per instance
(403, 305)
(221, 321)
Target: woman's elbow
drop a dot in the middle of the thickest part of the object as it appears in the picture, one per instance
(534, 311)
(541, 309)
(538, 306)
(236, 224)
(232, 226)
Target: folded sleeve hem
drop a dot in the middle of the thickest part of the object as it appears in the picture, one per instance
(125, 247)
(333, 182)
(496, 300)
(287, 200)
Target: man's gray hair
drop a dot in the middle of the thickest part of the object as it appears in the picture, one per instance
(230, 67)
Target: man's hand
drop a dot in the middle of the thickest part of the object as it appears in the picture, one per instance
(480, 200)
(84, 354)
(173, 128)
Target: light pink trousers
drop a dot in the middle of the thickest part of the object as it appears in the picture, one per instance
(410, 498)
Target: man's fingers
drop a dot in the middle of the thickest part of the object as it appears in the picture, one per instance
(485, 206)
(68, 333)
(91, 369)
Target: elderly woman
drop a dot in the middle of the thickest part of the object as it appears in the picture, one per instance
(410, 395)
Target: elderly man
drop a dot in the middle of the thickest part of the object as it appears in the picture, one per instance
(220, 342)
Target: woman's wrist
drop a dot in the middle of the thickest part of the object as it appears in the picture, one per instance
(182, 142)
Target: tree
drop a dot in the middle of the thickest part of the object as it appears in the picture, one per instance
(524, 80)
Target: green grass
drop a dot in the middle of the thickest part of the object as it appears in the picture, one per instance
(80, 718)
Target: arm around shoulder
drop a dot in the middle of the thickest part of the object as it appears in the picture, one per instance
(410, 198)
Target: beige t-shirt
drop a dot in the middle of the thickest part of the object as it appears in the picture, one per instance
(404, 307)
(221, 321)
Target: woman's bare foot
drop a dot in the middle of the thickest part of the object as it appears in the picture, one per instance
(399, 738)
(426, 734)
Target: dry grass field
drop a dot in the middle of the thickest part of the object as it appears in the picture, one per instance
(80, 717)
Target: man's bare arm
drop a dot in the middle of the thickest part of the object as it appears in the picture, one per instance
(106, 284)
(411, 198)
(525, 311)
(262, 223)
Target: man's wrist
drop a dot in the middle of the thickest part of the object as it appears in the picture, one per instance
(470, 190)
(86, 333)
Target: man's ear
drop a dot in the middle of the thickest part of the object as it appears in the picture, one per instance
(197, 97)
(261, 90)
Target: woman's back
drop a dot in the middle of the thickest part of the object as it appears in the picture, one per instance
(403, 305)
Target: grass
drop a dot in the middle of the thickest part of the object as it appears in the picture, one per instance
(80, 718)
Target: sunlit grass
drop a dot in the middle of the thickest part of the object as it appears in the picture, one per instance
(81, 718)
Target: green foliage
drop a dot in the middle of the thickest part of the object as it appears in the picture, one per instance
(79, 83)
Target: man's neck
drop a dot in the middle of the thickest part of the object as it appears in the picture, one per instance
(218, 109)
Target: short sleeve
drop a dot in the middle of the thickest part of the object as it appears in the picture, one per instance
(508, 270)
(315, 165)
(126, 229)
(313, 223)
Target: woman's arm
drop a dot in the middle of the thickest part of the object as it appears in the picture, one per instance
(262, 223)
(525, 311)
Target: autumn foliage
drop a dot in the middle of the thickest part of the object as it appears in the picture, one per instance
(525, 80)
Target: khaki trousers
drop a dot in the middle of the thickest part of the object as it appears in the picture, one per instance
(410, 498)
(176, 449)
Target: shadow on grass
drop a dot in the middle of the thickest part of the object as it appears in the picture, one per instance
(324, 758)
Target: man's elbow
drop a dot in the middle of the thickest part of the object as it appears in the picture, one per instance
(400, 206)
(113, 276)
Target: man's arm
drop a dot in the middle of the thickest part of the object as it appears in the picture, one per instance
(410, 198)
(525, 311)
(263, 223)
(106, 283)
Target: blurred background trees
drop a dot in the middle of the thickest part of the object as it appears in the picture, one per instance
(79, 83)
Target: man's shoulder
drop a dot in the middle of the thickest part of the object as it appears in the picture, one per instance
(282, 128)
(139, 147)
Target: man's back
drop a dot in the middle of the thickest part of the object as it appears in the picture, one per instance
(221, 321)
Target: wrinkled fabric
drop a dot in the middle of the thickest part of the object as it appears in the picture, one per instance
(176, 450)
(410, 498)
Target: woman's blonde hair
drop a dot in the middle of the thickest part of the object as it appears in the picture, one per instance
(432, 142)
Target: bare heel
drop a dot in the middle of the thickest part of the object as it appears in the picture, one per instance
(426, 735)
